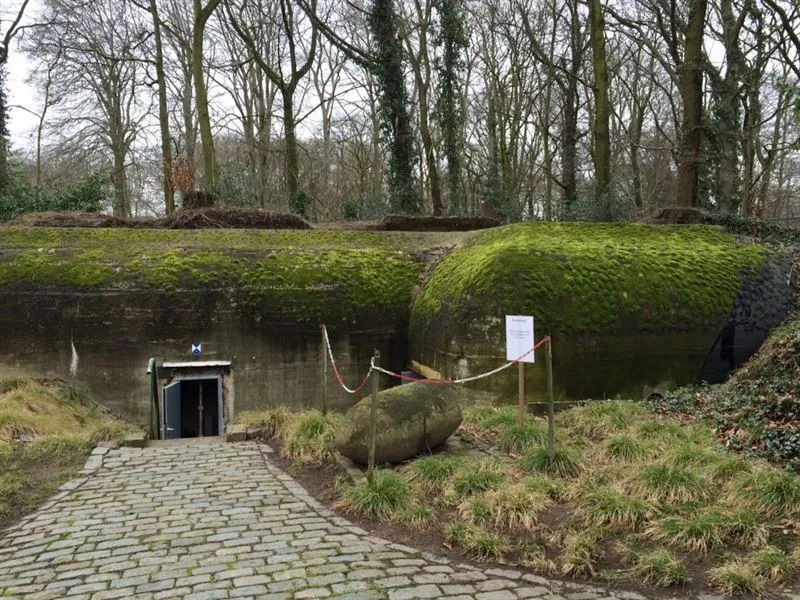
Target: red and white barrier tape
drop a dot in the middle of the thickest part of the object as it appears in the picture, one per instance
(336, 371)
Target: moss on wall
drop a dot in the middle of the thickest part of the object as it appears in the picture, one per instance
(307, 275)
(582, 277)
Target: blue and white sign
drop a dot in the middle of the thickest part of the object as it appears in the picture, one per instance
(197, 349)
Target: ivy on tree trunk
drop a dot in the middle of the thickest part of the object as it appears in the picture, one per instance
(393, 96)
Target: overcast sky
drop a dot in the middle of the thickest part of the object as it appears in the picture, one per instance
(20, 95)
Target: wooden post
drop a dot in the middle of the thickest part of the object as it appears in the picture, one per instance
(551, 425)
(523, 407)
(373, 420)
(324, 354)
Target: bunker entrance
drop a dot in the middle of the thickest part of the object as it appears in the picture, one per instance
(192, 402)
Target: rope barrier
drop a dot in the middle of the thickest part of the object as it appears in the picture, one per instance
(336, 371)
(374, 367)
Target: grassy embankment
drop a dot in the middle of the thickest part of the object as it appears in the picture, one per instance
(47, 430)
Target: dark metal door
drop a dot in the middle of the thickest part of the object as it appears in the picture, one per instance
(171, 409)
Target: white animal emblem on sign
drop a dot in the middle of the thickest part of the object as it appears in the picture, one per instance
(197, 349)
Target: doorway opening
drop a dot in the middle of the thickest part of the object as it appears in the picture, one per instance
(192, 405)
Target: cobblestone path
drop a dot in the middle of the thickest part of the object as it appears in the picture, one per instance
(222, 521)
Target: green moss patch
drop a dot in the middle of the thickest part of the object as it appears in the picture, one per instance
(582, 277)
(317, 275)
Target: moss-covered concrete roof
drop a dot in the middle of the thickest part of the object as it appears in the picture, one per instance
(319, 275)
(582, 277)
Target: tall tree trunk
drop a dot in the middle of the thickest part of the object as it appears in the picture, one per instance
(163, 114)
(692, 97)
(602, 139)
(201, 16)
(290, 159)
(430, 156)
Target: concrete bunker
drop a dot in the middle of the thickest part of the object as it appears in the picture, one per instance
(192, 399)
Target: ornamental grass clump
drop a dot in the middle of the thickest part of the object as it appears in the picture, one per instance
(485, 545)
(309, 436)
(432, 473)
(418, 517)
(581, 552)
(736, 578)
(771, 562)
(770, 492)
(660, 568)
(625, 448)
(386, 496)
(696, 531)
(514, 507)
(478, 477)
(604, 506)
(601, 419)
(516, 439)
(563, 462)
(666, 484)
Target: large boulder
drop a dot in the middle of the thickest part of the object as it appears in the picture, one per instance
(411, 419)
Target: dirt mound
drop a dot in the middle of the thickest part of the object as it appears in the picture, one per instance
(200, 218)
(69, 219)
(407, 223)
(228, 218)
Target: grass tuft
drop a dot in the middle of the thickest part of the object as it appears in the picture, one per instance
(385, 496)
(624, 448)
(610, 508)
(272, 421)
(580, 553)
(667, 484)
(484, 545)
(696, 531)
(479, 477)
(515, 507)
(433, 472)
(771, 562)
(661, 568)
(771, 492)
(736, 578)
(517, 440)
(563, 463)
(418, 517)
(599, 420)
(309, 436)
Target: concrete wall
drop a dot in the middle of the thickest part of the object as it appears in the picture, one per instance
(115, 333)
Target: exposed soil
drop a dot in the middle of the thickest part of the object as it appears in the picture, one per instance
(43, 475)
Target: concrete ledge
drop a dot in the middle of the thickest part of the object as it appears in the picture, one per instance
(236, 433)
(135, 440)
